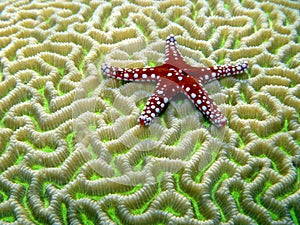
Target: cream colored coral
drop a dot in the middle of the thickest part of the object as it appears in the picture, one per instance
(71, 150)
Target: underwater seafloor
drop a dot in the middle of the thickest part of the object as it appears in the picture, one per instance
(72, 151)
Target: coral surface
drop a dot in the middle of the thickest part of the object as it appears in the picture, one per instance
(72, 151)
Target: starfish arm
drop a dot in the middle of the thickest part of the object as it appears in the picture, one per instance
(164, 91)
(155, 104)
(130, 74)
(173, 56)
(199, 96)
(206, 75)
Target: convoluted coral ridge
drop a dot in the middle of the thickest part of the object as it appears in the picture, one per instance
(72, 151)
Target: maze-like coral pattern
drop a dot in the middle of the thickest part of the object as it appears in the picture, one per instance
(72, 151)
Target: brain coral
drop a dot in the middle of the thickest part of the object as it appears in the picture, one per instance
(72, 151)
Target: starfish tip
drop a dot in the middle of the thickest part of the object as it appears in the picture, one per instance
(144, 121)
(221, 123)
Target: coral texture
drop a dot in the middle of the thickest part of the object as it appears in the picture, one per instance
(72, 151)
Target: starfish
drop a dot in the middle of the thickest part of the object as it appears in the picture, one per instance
(174, 76)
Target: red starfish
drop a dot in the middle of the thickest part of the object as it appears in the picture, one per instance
(174, 76)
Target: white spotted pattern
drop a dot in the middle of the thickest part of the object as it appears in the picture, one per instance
(177, 76)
